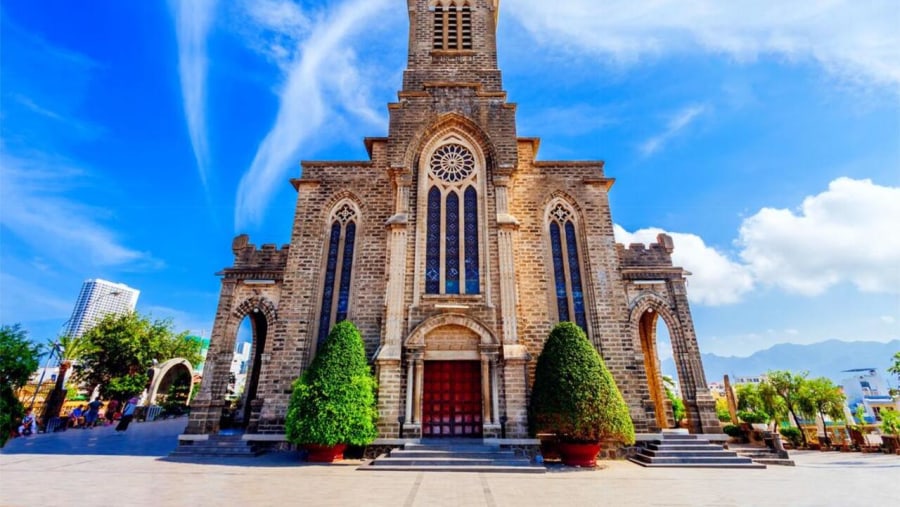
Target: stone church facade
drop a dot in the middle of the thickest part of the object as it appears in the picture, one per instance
(455, 251)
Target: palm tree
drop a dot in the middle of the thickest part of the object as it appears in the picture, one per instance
(70, 349)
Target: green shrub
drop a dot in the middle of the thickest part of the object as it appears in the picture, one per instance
(793, 435)
(334, 400)
(753, 417)
(574, 395)
(890, 421)
(733, 430)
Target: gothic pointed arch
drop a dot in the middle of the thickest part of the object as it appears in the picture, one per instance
(443, 124)
(563, 230)
(341, 230)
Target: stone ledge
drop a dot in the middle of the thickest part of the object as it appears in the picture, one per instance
(187, 437)
(265, 437)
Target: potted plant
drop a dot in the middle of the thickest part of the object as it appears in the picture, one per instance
(333, 402)
(890, 427)
(575, 397)
(757, 419)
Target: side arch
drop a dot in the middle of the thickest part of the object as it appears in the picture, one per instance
(166, 373)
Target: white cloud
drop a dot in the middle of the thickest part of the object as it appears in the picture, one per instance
(192, 22)
(323, 81)
(888, 319)
(856, 41)
(715, 279)
(676, 124)
(849, 233)
(36, 209)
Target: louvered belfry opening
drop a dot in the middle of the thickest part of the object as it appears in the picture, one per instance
(452, 26)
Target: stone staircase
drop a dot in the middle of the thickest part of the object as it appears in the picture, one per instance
(763, 455)
(222, 446)
(453, 456)
(676, 450)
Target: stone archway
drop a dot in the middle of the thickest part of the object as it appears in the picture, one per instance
(466, 352)
(262, 316)
(646, 313)
(165, 374)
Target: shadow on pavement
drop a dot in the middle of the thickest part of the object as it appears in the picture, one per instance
(157, 438)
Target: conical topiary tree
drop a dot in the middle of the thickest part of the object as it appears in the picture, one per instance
(574, 394)
(333, 401)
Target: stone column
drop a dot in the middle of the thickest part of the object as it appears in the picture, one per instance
(699, 404)
(487, 404)
(206, 408)
(507, 226)
(419, 359)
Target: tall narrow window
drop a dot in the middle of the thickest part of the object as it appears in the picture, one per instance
(566, 267)
(451, 232)
(338, 269)
(452, 25)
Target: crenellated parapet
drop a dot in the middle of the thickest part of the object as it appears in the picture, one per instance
(250, 262)
(638, 255)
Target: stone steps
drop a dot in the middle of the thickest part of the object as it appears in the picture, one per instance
(453, 457)
(223, 446)
(674, 450)
(765, 456)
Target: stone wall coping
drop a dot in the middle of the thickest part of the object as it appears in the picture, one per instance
(512, 441)
(265, 437)
(187, 437)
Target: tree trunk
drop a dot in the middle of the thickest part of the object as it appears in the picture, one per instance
(799, 426)
(57, 397)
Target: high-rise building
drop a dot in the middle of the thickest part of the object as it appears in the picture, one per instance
(97, 299)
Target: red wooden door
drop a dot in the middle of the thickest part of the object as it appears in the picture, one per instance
(451, 401)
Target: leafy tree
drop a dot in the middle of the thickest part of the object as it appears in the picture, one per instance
(70, 350)
(678, 410)
(127, 344)
(820, 396)
(122, 388)
(574, 394)
(334, 400)
(722, 412)
(18, 360)
(788, 386)
(895, 368)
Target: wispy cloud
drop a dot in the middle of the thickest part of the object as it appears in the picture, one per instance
(676, 124)
(36, 209)
(192, 23)
(323, 80)
(856, 41)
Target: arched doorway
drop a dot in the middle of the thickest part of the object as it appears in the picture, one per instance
(244, 371)
(453, 385)
(662, 381)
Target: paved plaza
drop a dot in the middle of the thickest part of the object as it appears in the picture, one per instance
(100, 467)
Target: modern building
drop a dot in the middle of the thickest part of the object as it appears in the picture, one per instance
(865, 387)
(97, 299)
(455, 251)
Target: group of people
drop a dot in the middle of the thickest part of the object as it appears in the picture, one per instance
(86, 416)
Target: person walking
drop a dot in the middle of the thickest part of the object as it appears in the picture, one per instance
(93, 413)
(111, 408)
(127, 414)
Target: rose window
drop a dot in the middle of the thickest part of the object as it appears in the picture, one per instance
(452, 163)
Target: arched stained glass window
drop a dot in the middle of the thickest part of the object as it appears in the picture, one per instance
(338, 269)
(451, 244)
(433, 243)
(471, 240)
(566, 267)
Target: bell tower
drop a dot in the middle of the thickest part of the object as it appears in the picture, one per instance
(452, 41)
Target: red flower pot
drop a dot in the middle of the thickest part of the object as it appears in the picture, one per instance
(579, 455)
(324, 453)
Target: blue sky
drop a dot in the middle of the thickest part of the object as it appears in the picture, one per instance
(139, 137)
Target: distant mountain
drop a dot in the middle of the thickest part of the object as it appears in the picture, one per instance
(823, 359)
